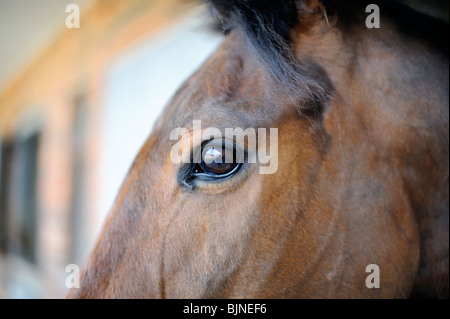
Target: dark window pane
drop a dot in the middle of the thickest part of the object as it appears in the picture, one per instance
(5, 169)
(23, 212)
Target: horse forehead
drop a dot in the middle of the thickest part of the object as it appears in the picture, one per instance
(230, 90)
(244, 114)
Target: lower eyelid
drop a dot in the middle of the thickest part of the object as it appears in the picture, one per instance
(227, 175)
(213, 188)
(187, 178)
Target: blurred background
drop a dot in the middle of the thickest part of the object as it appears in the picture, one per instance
(76, 104)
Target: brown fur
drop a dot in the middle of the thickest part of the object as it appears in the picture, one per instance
(365, 181)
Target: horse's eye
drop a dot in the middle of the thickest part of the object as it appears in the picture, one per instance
(213, 160)
(219, 159)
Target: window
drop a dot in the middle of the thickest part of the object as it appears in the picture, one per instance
(5, 163)
(22, 213)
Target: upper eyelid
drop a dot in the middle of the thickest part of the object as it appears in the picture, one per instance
(196, 152)
(237, 149)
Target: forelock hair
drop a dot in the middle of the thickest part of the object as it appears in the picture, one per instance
(267, 27)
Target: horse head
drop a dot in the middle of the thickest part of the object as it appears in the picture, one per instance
(305, 149)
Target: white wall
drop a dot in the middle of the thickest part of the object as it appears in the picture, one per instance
(138, 86)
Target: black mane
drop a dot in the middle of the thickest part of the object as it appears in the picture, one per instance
(267, 25)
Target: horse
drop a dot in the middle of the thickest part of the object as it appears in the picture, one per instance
(357, 202)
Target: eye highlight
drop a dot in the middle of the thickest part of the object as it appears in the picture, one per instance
(213, 160)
